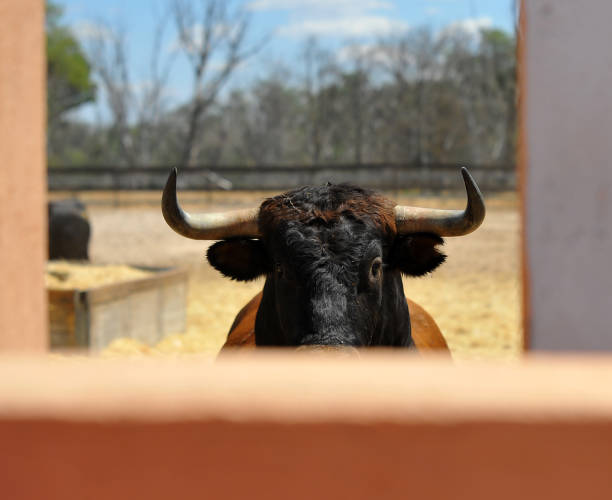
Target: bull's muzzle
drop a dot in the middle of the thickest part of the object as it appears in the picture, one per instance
(331, 350)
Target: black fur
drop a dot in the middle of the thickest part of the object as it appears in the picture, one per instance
(416, 254)
(240, 259)
(317, 251)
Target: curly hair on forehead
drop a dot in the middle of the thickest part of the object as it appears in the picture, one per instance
(326, 204)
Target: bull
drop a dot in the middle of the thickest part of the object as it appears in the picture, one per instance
(69, 230)
(333, 259)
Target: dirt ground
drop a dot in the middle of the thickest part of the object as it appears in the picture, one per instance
(474, 296)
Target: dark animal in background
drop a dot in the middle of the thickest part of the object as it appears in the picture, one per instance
(332, 257)
(69, 230)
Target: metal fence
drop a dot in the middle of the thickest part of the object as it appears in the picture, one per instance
(269, 177)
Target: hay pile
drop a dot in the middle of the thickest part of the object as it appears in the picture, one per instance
(194, 341)
(65, 275)
(479, 315)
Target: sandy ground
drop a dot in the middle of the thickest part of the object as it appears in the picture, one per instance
(474, 296)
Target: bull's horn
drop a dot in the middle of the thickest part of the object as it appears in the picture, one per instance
(444, 222)
(215, 226)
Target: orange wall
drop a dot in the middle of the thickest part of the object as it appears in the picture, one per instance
(248, 460)
(23, 315)
(263, 427)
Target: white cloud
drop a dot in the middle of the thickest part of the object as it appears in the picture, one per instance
(471, 26)
(355, 51)
(340, 18)
(327, 5)
(85, 30)
(368, 51)
(346, 27)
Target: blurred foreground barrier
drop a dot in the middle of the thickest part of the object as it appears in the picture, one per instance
(271, 426)
(22, 172)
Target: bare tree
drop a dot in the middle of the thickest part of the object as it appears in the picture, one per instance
(414, 63)
(153, 104)
(357, 96)
(213, 35)
(135, 113)
(272, 123)
(107, 52)
(442, 96)
(320, 91)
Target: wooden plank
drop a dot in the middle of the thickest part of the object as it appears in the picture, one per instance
(115, 291)
(61, 318)
(146, 314)
(146, 309)
(380, 176)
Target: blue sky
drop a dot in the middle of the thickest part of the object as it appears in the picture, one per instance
(288, 23)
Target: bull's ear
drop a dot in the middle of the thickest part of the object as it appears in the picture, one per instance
(240, 259)
(416, 254)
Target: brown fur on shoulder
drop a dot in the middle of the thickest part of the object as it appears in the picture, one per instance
(242, 331)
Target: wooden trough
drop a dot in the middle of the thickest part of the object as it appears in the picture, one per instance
(144, 309)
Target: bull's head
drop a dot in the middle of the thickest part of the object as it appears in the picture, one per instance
(333, 257)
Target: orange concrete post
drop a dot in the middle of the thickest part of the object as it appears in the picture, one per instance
(23, 314)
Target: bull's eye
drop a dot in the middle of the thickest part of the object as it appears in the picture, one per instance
(376, 268)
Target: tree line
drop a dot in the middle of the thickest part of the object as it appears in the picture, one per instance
(417, 97)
